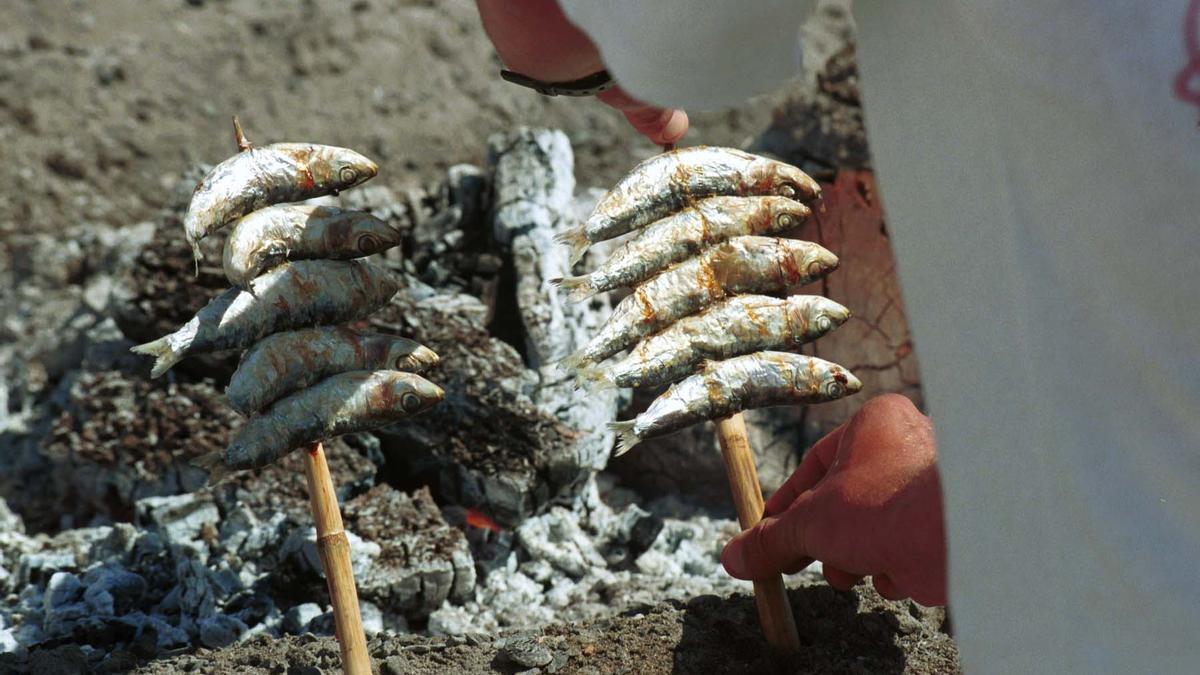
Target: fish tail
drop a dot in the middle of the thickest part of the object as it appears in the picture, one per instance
(594, 377)
(197, 256)
(214, 464)
(164, 354)
(578, 288)
(626, 436)
(576, 240)
(574, 361)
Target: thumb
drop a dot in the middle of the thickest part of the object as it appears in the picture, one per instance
(774, 546)
(660, 125)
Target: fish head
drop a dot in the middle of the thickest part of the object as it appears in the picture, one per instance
(361, 232)
(770, 177)
(415, 394)
(819, 315)
(813, 261)
(784, 214)
(834, 382)
(341, 168)
(379, 280)
(410, 356)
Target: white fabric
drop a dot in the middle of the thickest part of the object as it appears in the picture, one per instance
(699, 42)
(1042, 188)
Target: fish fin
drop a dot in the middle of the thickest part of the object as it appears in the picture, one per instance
(197, 256)
(720, 259)
(576, 239)
(164, 355)
(214, 464)
(574, 361)
(240, 136)
(578, 288)
(594, 378)
(626, 436)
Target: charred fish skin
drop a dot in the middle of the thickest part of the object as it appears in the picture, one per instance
(683, 235)
(268, 237)
(283, 363)
(740, 325)
(343, 403)
(272, 174)
(295, 295)
(667, 182)
(756, 380)
(747, 264)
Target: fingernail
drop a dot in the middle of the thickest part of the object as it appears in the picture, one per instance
(731, 558)
(676, 126)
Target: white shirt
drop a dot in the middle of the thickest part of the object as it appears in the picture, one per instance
(1040, 173)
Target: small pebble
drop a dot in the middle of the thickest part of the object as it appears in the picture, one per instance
(526, 651)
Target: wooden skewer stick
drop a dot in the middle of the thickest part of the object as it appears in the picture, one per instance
(240, 136)
(774, 610)
(334, 548)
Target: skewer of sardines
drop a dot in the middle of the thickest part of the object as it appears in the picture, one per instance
(703, 268)
(297, 283)
(712, 308)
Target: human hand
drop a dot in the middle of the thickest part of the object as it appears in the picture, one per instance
(866, 500)
(534, 38)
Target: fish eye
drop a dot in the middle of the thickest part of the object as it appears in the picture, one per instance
(824, 323)
(402, 362)
(815, 269)
(786, 189)
(347, 174)
(368, 243)
(410, 402)
(834, 390)
(785, 220)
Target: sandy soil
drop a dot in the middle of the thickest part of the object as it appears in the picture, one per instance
(101, 106)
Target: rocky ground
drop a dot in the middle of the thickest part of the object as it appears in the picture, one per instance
(490, 535)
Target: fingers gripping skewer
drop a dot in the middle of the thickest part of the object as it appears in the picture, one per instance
(334, 549)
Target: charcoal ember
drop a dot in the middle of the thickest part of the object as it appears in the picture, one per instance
(448, 239)
(422, 561)
(486, 446)
(220, 630)
(558, 539)
(298, 618)
(122, 438)
(534, 185)
(155, 293)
